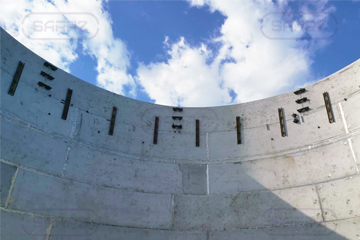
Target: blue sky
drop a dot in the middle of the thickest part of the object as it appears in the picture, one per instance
(195, 52)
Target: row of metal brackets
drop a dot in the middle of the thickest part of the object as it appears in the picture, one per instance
(67, 102)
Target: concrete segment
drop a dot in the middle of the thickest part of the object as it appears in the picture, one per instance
(16, 226)
(7, 173)
(346, 229)
(31, 105)
(321, 164)
(98, 168)
(247, 209)
(81, 231)
(339, 196)
(46, 195)
(22, 145)
(352, 111)
(194, 179)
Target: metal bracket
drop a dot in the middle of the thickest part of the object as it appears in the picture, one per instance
(302, 100)
(43, 85)
(49, 65)
(177, 109)
(112, 122)
(238, 130)
(67, 104)
(16, 78)
(48, 76)
(177, 118)
(296, 118)
(282, 122)
(301, 90)
(156, 129)
(328, 107)
(305, 109)
(177, 126)
(197, 133)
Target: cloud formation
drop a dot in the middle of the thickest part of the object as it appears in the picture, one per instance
(264, 48)
(55, 30)
(249, 63)
(185, 79)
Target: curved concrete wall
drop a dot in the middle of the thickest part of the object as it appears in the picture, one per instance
(70, 179)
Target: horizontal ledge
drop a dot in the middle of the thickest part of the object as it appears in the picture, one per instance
(83, 223)
(174, 194)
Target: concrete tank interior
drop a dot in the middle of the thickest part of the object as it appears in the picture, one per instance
(79, 162)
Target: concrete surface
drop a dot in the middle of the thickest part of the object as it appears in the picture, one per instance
(69, 179)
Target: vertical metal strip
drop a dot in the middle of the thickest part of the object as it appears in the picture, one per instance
(112, 123)
(156, 129)
(238, 130)
(67, 104)
(328, 107)
(197, 133)
(16, 78)
(282, 122)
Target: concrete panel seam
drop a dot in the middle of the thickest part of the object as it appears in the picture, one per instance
(48, 230)
(343, 118)
(207, 147)
(9, 210)
(9, 163)
(75, 129)
(353, 94)
(319, 200)
(12, 186)
(62, 219)
(348, 68)
(152, 192)
(66, 162)
(172, 211)
(342, 219)
(77, 124)
(288, 188)
(207, 180)
(353, 155)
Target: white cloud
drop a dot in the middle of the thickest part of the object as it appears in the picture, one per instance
(58, 44)
(185, 79)
(249, 62)
(252, 62)
(12, 16)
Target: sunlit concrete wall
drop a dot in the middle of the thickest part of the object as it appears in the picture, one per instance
(70, 179)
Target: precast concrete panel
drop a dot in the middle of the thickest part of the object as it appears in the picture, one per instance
(50, 195)
(293, 175)
(20, 226)
(101, 168)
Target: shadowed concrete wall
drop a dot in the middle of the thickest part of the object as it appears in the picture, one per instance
(70, 179)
